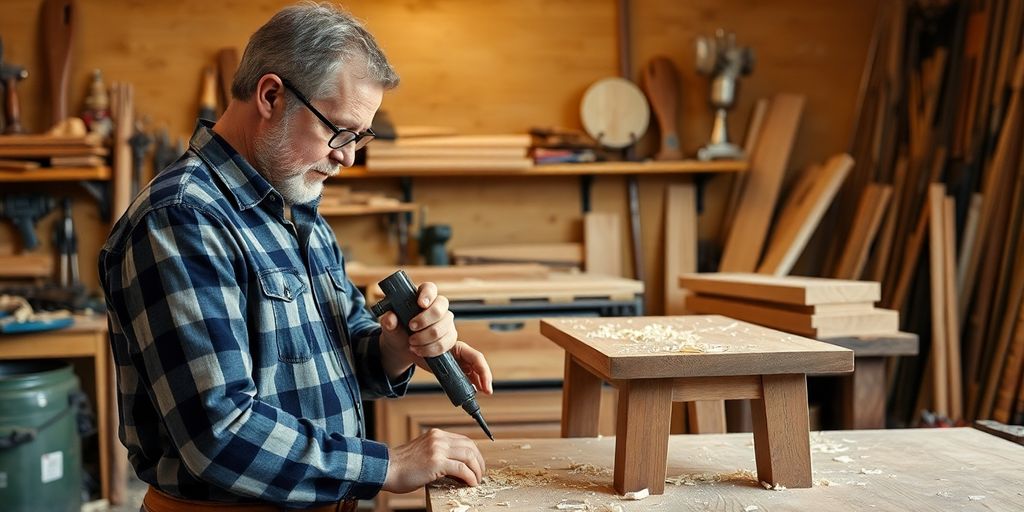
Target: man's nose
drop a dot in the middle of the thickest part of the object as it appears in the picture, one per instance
(344, 156)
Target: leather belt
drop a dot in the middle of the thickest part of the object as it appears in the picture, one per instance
(158, 501)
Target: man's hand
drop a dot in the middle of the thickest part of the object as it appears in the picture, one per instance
(433, 334)
(431, 456)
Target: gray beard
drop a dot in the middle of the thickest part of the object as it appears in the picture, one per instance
(273, 155)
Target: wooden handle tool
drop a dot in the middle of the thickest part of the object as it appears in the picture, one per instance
(661, 81)
(57, 24)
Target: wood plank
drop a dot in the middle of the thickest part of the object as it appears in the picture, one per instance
(706, 389)
(767, 168)
(937, 266)
(1013, 371)
(739, 181)
(967, 245)
(864, 391)
(870, 211)
(680, 243)
(564, 254)
(690, 346)
(706, 417)
(44, 174)
(595, 168)
(384, 150)
(556, 287)
(894, 344)
(462, 141)
(49, 140)
(905, 471)
(363, 275)
(804, 209)
(602, 244)
(349, 210)
(805, 291)
(951, 312)
(419, 165)
(18, 165)
(877, 321)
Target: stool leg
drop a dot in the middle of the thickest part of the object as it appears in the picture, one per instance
(706, 416)
(641, 435)
(581, 401)
(781, 433)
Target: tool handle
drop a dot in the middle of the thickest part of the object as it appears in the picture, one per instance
(451, 378)
(12, 111)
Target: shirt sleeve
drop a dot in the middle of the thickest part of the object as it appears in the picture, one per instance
(365, 336)
(185, 282)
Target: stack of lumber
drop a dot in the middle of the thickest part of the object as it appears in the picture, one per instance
(343, 195)
(27, 152)
(561, 256)
(450, 152)
(941, 112)
(808, 306)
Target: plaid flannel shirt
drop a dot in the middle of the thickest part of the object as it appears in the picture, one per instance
(239, 343)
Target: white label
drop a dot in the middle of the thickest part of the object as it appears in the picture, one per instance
(53, 466)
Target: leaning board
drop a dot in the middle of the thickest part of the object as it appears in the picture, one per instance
(805, 291)
(917, 469)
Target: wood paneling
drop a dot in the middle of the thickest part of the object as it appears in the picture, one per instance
(484, 67)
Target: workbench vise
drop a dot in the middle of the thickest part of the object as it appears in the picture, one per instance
(24, 210)
(10, 75)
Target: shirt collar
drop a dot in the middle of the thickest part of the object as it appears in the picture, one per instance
(244, 183)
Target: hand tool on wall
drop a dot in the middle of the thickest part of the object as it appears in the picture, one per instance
(10, 75)
(165, 152)
(432, 240)
(661, 81)
(57, 18)
(96, 113)
(67, 247)
(24, 210)
(139, 142)
(227, 64)
(208, 95)
(400, 296)
(722, 59)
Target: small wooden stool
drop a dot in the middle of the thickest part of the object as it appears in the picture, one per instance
(654, 361)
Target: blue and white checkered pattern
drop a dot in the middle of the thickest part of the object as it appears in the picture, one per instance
(240, 344)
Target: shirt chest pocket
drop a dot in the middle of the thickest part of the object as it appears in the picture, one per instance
(286, 314)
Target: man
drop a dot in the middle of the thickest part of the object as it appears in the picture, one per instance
(242, 349)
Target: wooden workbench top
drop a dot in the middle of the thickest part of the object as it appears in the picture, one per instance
(690, 346)
(915, 469)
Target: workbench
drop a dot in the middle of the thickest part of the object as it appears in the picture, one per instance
(914, 469)
(86, 338)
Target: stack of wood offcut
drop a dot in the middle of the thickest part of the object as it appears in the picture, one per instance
(28, 152)
(807, 306)
(451, 153)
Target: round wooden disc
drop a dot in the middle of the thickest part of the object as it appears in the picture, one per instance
(614, 111)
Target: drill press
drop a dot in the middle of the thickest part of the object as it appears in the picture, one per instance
(721, 58)
(400, 297)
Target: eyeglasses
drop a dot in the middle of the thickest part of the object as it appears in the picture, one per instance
(342, 136)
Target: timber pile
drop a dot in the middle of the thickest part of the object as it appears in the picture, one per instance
(450, 152)
(808, 306)
(941, 113)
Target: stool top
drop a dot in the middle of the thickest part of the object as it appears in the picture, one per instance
(690, 346)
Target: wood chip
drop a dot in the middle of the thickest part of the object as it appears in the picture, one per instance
(843, 458)
(636, 495)
(572, 505)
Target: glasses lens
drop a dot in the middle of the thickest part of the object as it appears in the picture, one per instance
(341, 138)
(366, 138)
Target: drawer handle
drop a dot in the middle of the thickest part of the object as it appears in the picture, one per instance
(506, 326)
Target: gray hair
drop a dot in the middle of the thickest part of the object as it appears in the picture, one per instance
(308, 44)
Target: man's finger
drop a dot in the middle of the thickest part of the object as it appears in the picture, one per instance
(460, 470)
(436, 313)
(428, 291)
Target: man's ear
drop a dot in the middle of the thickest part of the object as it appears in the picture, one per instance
(269, 94)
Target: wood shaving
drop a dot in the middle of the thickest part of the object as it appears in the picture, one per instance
(825, 482)
(526, 446)
(750, 508)
(712, 478)
(657, 338)
(610, 507)
(588, 469)
(573, 505)
(843, 458)
(636, 495)
(865, 471)
(457, 506)
(975, 498)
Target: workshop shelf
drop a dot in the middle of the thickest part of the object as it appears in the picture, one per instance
(56, 174)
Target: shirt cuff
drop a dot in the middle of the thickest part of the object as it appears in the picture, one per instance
(388, 387)
(374, 471)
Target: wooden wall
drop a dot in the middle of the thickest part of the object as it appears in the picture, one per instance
(483, 67)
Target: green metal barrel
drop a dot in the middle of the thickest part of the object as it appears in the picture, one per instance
(40, 450)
